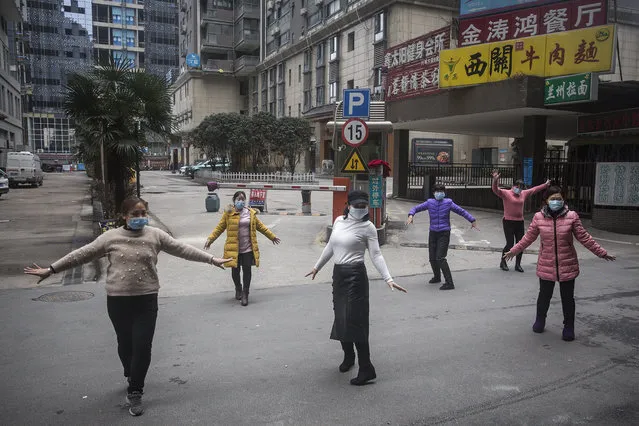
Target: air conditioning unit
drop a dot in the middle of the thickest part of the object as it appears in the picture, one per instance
(275, 31)
(269, 5)
(303, 11)
(319, 2)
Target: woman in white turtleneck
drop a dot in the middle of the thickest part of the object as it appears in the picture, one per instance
(352, 234)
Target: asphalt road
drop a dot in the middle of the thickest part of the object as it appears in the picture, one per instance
(462, 357)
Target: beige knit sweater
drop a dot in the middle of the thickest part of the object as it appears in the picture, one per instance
(132, 257)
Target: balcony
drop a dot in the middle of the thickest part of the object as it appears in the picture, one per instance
(247, 40)
(221, 66)
(219, 15)
(217, 42)
(245, 65)
(247, 9)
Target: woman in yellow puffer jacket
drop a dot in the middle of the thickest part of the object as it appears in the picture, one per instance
(241, 225)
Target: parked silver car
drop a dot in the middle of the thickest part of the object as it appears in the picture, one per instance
(4, 183)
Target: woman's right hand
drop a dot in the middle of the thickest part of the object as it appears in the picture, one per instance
(610, 258)
(313, 273)
(495, 174)
(43, 273)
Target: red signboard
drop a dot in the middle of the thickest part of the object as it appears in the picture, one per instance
(609, 122)
(548, 19)
(413, 66)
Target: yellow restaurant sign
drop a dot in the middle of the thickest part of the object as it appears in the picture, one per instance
(550, 55)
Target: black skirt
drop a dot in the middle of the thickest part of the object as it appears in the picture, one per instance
(350, 303)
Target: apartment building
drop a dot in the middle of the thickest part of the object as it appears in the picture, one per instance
(219, 49)
(10, 101)
(313, 49)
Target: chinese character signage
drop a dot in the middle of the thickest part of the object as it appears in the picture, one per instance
(571, 89)
(617, 184)
(432, 151)
(376, 191)
(551, 55)
(548, 19)
(485, 7)
(609, 122)
(413, 67)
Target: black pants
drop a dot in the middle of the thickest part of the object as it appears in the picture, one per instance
(244, 261)
(133, 318)
(363, 352)
(513, 231)
(437, 250)
(567, 291)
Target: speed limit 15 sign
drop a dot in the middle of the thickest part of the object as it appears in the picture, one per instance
(354, 132)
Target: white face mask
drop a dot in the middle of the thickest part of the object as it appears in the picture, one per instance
(358, 213)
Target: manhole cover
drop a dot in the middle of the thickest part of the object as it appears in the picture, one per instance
(65, 296)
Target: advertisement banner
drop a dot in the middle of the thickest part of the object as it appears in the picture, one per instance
(413, 66)
(432, 151)
(614, 121)
(551, 55)
(530, 22)
(484, 7)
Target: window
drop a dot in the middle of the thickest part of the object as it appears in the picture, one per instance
(307, 60)
(332, 7)
(332, 92)
(351, 41)
(68, 31)
(289, 110)
(333, 43)
(350, 84)
(320, 54)
(320, 95)
(380, 26)
(299, 73)
(378, 77)
(290, 79)
(299, 110)
(68, 54)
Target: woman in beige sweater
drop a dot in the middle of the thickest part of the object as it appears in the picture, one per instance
(132, 286)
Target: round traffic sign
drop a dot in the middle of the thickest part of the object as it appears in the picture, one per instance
(354, 132)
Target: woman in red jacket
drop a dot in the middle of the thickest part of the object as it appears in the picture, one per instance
(556, 224)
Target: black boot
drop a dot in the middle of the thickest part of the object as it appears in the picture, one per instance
(518, 268)
(436, 273)
(349, 357)
(503, 265)
(245, 294)
(238, 292)
(364, 375)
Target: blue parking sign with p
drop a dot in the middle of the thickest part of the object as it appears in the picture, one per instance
(357, 103)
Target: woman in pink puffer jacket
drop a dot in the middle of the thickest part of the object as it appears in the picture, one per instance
(556, 225)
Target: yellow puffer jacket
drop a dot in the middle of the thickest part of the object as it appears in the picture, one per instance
(230, 223)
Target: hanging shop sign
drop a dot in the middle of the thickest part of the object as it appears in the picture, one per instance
(413, 67)
(551, 55)
(534, 21)
(614, 121)
(571, 89)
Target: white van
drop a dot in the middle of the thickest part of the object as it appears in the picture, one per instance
(24, 168)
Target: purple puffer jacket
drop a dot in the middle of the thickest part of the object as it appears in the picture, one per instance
(439, 212)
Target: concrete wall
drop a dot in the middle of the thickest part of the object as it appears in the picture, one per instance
(628, 37)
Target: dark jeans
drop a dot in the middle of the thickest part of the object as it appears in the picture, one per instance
(513, 231)
(133, 318)
(437, 250)
(567, 291)
(244, 261)
(363, 352)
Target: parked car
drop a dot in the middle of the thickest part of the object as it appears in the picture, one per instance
(216, 165)
(4, 183)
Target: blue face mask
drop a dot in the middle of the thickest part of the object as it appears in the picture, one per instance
(517, 190)
(440, 195)
(239, 204)
(137, 223)
(556, 205)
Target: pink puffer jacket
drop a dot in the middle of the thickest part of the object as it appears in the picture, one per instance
(557, 255)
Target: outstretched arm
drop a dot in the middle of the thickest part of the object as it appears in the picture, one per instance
(463, 213)
(265, 231)
(377, 258)
(536, 189)
(495, 186)
(586, 239)
(179, 249)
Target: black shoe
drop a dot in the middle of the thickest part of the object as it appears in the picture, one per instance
(518, 268)
(503, 265)
(135, 403)
(364, 375)
(238, 293)
(435, 280)
(244, 298)
(447, 286)
(347, 364)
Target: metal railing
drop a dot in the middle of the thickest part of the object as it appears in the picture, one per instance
(285, 177)
(459, 175)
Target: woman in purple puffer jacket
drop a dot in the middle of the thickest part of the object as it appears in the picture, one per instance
(439, 209)
(556, 224)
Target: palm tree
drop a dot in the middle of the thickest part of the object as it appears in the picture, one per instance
(113, 107)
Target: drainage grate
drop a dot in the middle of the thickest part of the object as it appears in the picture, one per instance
(65, 296)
